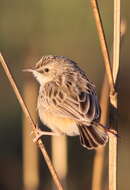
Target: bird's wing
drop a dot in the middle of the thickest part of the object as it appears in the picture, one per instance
(67, 102)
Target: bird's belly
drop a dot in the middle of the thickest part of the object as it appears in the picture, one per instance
(59, 124)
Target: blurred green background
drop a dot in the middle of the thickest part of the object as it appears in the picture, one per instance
(35, 28)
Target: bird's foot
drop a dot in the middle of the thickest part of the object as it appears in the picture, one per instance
(112, 131)
(39, 133)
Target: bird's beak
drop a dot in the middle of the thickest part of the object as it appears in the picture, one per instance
(34, 69)
(28, 70)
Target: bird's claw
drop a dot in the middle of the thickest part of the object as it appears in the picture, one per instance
(37, 132)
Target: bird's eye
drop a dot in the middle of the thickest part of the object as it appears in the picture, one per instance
(46, 70)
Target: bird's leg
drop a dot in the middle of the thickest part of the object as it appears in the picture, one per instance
(39, 133)
(108, 129)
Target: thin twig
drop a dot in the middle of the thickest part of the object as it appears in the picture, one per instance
(32, 124)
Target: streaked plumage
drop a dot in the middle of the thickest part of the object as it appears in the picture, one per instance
(67, 101)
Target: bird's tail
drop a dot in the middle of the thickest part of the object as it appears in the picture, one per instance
(93, 136)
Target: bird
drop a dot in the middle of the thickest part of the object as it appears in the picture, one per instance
(67, 101)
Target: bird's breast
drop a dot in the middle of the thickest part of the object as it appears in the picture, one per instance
(58, 124)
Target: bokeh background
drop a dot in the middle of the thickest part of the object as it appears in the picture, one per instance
(28, 30)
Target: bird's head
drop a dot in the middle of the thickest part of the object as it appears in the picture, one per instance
(48, 68)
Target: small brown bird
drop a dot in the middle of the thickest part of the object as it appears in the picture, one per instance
(67, 101)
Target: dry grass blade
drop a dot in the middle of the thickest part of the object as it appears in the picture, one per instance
(32, 124)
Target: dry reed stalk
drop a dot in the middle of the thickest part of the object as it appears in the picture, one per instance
(116, 56)
(99, 156)
(116, 37)
(103, 44)
(104, 103)
(30, 151)
(98, 164)
(32, 124)
(111, 80)
(59, 158)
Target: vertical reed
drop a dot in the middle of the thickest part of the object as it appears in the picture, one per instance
(113, 100)
(100, 153)
(59, 156)
(99, 156)
(30, 153)
(111, 79)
